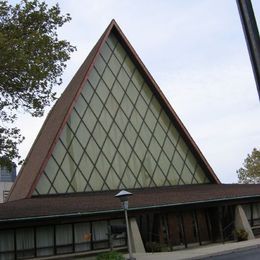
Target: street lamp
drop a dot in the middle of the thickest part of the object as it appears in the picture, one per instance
(123, 196)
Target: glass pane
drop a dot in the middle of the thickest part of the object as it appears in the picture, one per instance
(191, 162)
(114, 65)
(146, 93)
(150, 120)
(140, 149)
(108, 78)
(102, 91)
(96, 105)
(45, 241)
(155, 107)
(129, 66)
(159, 134)
(24, 239)
(68, 167)
(124, 149)
(120, 52)
(159, 177)
(99, 134)
(78, 183)
(109, 149)
(128, 179)
(86, 166)
(173, 135)
(164, 163)
(154, 148)
(83, 135)
(119, 164)
(100, 65)
(51, 169)
(200, 176)
(186, 175)
(99, 234)
(173, 176)
(115, 134)
(177, 162)
(64, 238)
(137, 80)
(145, 134)
(112, 180)
(93, 150)
(149, 163)
(168, 148)
(43, 185)
(6, 240)
(66, 136)
(112, 41)
(132, 92)
(106, 52)
(111, 105)
(59, 152)
(81, 105)
(102, 165)
(182, 148)
(94, 78)
(136, 120)
(96, 182)
(164, 121)
(123, 79)
(89, 120)
(105, 119)
(144, 178)
(134, 164)
(121, 120)
(127, 106)
(82, 233)
(61, 183)
(117, 91)
(75, 150)
(141, 106)
(87, 92)
(74, 120)
(130, 134)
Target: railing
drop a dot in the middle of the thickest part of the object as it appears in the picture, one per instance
(228, 232)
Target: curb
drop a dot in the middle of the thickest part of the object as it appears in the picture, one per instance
(226, 252)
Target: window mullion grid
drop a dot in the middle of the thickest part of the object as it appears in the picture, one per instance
(193, 176)
(138, 135)
(113, 121)
(184, 164)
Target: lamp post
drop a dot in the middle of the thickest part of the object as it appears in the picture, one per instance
(123, 196)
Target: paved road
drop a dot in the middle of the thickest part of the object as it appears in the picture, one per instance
(248, 254)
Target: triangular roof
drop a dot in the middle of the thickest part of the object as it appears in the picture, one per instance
(48, 137)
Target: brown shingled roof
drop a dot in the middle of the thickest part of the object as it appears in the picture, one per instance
(104, 202)
(54, 123)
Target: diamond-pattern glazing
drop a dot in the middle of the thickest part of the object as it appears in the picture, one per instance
(118, 135)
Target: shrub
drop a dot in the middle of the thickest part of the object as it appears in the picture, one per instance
(112, 255)
(241, 235)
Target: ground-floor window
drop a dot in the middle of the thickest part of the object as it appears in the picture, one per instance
(22, 243)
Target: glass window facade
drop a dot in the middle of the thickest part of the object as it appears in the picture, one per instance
(118, 135)
(28, 243)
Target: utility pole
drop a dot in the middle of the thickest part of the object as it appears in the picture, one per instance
(252, 37)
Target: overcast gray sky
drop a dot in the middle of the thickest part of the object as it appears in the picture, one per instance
(196, 52)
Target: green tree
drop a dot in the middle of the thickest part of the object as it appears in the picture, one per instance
(250, 172)
(32, 60)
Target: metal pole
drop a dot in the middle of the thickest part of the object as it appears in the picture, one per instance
(128, 235)
(252, 37)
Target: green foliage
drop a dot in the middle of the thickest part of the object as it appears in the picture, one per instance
(250, 172)
(241, 235)
(32, 61)
(113, 255)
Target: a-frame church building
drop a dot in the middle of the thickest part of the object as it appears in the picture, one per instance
(113, 129)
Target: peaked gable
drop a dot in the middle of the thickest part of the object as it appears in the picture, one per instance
(111, 129)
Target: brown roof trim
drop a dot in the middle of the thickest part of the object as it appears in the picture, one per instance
(48, 136)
